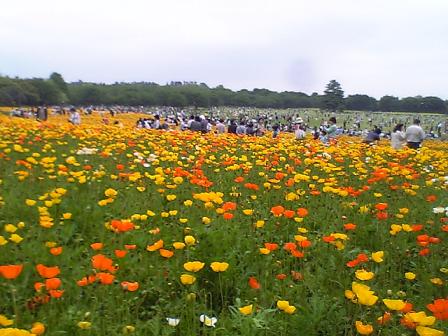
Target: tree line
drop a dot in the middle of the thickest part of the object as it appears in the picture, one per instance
(55, 91)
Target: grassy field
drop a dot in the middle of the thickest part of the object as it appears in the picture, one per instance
(108, 230)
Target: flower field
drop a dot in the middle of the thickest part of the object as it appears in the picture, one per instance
(108, 230)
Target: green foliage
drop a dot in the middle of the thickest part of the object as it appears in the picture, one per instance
(16, 92)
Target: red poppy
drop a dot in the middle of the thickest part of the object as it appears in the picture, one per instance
(439, 308)
(227, 215)
(431, 198)
(281, 276)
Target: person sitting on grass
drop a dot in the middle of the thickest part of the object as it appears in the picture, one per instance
(373, 136)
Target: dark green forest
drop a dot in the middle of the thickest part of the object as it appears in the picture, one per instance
(55, 91)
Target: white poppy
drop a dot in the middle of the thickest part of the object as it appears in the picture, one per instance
(173, 321)
(438, 210)
(208, 321)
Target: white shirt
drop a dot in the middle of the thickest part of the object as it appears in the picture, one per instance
(300, 134)
(397, 139)
(414, 133)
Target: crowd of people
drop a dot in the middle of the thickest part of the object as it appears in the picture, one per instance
(322, 126)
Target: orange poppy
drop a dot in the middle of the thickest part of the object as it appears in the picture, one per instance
(130, 247)
(56, 250)
(277, 210)
(289, 246)
(47, 272)
(271, 246)
(304, 243)
(122, 226)
(302, 212)
(120, 253)
(385, 318)
(96, 246)
(52, 283)
(56, 293)
(105, 278)
(166, 253)
(417, 227)
(228, 206)
(83, 282)
(407, 307)
(38, 286)
(381, 206)
(424, 252)
(130, 286)
(102, 263)
(434, 240)
(279, 175)
(349, 226)
(297, 254)
(253, 283)
(382, 215)
(154, 247)
(10, 271)
(239, 179)
(289, 213)
(328, 239)
(408, 323)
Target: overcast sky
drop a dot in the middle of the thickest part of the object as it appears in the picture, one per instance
(379, 47)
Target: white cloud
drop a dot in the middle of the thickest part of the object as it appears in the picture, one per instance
(374, 47)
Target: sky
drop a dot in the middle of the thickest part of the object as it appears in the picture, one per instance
(396, 47)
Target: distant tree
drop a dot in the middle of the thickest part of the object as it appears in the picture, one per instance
(360, 102)
(49, 92)
(59, 81)
(389, 104)
(410, 104)
(333, 99)
(432, 104)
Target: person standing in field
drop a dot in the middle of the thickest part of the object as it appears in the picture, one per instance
(398, 137)
(415, 135)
